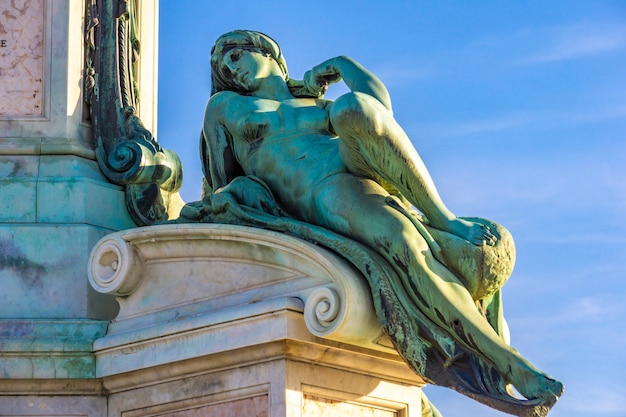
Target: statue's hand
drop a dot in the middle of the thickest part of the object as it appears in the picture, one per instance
(252, 192)
(318, 78)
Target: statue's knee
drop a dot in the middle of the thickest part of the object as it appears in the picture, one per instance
(353, 111)
(343, 109)
(350, 103)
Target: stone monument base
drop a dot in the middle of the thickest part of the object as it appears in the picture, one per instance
(286, 377)
(278, 379)
(226, 321)
(236, 321)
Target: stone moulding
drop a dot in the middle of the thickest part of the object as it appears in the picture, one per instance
(58, 349)
(172, 279)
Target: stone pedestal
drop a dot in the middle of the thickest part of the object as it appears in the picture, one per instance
(54, 202)
(281, 379)
(235, 321)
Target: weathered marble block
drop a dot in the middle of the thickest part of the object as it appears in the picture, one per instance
(211, 281)
(232, 320)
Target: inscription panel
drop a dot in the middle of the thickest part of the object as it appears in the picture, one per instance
(313, 406)
(255, 406)
(22, 29)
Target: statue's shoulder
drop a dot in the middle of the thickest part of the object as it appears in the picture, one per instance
(223, 98)
(223, 104)
(219, 104)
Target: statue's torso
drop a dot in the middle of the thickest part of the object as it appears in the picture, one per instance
(287, 143)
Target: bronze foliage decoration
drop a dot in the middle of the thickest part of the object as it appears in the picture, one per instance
(127, 152)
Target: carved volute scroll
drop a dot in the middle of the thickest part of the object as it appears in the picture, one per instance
(127, 153)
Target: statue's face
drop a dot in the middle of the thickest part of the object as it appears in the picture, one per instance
(247, 67)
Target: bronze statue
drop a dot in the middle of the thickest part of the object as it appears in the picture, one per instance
(273, 144)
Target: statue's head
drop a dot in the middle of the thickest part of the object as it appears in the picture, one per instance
(246, 39)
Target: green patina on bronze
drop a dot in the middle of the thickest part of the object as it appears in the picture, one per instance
(344, 174)
(127, 153)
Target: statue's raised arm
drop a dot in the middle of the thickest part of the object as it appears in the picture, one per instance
(357, 78)
(347, 166)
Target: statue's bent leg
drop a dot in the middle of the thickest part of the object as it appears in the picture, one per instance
(372, 144)
(356, 207)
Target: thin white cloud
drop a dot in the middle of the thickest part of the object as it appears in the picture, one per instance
(547, 119)
(399, 73)
(590, 309)
(596, 238)
(579, 41)
(496, 124)
(534, 45)
(608, 399)
(579, 311)
(576, 41)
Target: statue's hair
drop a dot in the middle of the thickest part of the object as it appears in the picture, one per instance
(249, 39)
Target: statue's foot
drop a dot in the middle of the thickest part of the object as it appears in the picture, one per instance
(539, 386)
(473, 232)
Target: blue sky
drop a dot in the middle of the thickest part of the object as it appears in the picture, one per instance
(519, 111)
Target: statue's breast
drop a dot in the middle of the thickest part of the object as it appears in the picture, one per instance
(303, 114)
(255, 125)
